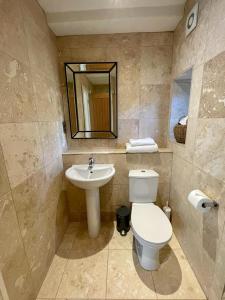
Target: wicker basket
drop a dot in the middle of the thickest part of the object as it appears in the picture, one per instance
(180, 133)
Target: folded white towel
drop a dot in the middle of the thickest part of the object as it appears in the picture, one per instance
(141, 149)
(142, 142)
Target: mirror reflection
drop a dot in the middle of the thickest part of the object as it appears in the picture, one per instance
(92, 99)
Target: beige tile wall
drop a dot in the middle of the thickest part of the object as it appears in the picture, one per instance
(200, 163)
(33, 213)
(116, 192)
(144, 73)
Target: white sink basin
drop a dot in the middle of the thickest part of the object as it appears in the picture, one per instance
(80, 176)
(91, 181)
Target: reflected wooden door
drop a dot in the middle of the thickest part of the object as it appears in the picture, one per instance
(100, 111)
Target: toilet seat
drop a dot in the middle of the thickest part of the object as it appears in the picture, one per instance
(150, 223)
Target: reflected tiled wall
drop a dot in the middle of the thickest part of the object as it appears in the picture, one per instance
(200, 163)
(115, 193)
(144, 73)
(32, 205)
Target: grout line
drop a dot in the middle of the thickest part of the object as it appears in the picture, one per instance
(64, 271)
(154, 284)
(107, 271)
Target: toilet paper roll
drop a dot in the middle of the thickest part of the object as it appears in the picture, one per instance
(197, 198)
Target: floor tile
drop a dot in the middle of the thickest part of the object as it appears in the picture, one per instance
(121, 242)
(174, 244)
(54, 276)
(126, 279)
(107, 267)
(175, 278)
(67, 242)
(83, 245)
(85, 277)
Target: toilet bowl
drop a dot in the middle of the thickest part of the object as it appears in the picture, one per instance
(151, 228)
(152, 231)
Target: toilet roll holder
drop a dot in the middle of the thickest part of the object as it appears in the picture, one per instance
(211, 204)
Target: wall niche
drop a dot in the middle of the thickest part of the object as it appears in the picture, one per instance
(181, 88)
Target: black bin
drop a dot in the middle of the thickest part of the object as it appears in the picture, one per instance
(123, 220)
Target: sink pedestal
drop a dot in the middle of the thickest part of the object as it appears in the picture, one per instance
(93, 211)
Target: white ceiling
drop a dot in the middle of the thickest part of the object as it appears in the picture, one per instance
(70, 17)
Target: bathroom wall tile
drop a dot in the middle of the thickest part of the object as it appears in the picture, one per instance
(128, 128)
(12, 30)
(149, 39)
(212, 103)
(154, 101)
(212, 223)
(196, 88)
(124, 274)
(30, 198)
(91, 145)
(53, 278)
(50, 141)
(22, 151)
(14, 267)
(210, 135)
(86, 41)
(42, 51)
(194, 229)
(216, 23)
(4, 181)
(136, 54)
(54, 173)
(128, 101)
(191, 50)
(181, 170)
(84, 277)
(48, 98)
(203, 162)
(120, 196)
(217, 286)
(62, 218)
(186, 151)
(209, 148)
(156, 64)
(156, 128)
(17, 99)
(36, 202)
(88, 54)
(34, 15)
(76, 199)
(163, 194)
(175, 279)
(126, 40)
(28, 80)
(32, 210)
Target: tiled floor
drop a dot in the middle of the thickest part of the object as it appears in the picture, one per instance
(108, 268)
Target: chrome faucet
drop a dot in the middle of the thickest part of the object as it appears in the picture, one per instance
(91, 162)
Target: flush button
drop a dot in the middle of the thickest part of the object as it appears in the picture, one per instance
(143, 171)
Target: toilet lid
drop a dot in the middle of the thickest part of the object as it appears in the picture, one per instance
(150, 223)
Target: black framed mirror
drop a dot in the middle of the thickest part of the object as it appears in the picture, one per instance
(92, 99)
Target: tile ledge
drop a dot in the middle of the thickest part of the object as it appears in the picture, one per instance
(112, 151)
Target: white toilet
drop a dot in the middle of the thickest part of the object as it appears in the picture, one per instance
(151, 228)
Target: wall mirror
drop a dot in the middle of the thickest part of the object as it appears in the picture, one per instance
(92, 99)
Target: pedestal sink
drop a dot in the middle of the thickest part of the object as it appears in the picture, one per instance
(91, 181)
